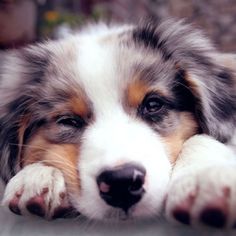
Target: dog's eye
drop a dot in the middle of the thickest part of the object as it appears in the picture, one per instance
(151, 107)
(71, 121)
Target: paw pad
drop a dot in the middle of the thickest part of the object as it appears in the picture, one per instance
(13, 204)
(213, 216)
(36, 206)
(182, 215)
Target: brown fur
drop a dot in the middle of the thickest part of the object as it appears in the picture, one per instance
(79, 106)
(61, 156)
(138, 89)
(187, 127)
(136, 93)
(76, 104)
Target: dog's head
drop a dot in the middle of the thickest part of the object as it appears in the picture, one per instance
(111, 108)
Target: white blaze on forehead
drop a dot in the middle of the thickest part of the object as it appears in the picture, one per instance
(106, 65)
(98, 69)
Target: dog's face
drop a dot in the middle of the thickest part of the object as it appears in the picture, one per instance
(111, 109)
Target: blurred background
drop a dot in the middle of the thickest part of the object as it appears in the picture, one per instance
(26, 21)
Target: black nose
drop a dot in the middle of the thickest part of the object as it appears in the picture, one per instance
(122, 187)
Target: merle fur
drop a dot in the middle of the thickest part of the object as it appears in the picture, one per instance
(214, 104)
(215, 109)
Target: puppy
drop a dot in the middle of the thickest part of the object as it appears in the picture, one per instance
(118, 122)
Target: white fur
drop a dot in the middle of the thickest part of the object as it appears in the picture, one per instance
(117, 139)
(102, 69)
(205, 168)
(114, 138)
(31, 181)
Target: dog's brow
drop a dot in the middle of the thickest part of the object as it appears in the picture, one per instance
(147, 74)
(136, 92)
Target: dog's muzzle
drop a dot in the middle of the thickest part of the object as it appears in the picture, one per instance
(122, 187)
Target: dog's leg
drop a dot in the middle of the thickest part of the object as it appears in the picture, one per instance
(203, 184)
(39, 190)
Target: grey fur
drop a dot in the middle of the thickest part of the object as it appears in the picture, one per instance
(42, 80)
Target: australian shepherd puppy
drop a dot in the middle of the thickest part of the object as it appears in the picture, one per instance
(120, 122)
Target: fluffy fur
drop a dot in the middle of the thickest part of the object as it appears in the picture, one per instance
(112, 95)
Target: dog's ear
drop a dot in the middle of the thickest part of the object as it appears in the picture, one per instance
(11, 143)
(21, 71)
(213, 86)
(200, 69)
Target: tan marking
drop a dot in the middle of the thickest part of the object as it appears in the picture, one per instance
(187, 127)
(76, 104)
(177, 66)
(61, 156)
(138, 89)
(23, 126)
(136, 93)
(79, 106)
(194, 87)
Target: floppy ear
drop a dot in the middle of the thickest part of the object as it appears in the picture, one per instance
(211, 81)
(11, 143)
(213, 85)
(20, 72)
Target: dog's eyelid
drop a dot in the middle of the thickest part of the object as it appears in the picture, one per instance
(153, 107)
(152, 102)
(71, 120)
(155, 96)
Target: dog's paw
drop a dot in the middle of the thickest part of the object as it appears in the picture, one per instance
(39, 190)
(207, 197)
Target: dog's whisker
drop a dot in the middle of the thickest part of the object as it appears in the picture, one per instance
(42, 152)
(101, 121)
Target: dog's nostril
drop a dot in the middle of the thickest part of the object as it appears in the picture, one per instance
(103, 187)
(123, 186)
(136, 186)
(137, 182)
